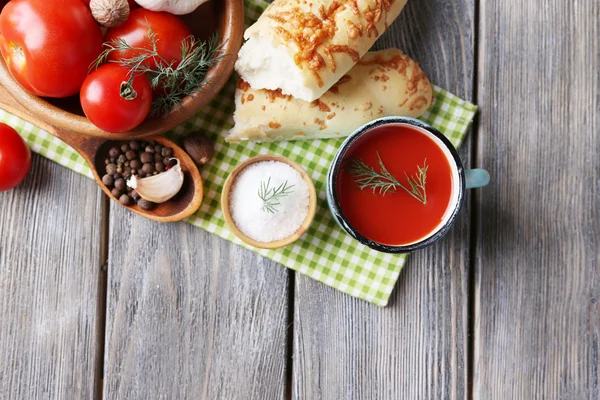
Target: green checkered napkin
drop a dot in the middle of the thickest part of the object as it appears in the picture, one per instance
(325, 253)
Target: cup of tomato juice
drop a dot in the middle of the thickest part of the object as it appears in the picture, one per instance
(397, 184)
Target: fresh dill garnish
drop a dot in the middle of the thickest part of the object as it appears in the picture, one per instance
(174, 80)
(384, 181)
(271, 195)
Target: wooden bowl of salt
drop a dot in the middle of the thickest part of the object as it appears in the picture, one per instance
(268, 201)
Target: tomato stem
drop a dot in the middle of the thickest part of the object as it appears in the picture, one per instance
(126, 90)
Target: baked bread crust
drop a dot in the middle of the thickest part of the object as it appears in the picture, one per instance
(324, 38)
(383, 83)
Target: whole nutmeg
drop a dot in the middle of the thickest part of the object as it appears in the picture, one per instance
(110, 13)
(199, 147)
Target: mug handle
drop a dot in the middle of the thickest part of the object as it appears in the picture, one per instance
(477, 177)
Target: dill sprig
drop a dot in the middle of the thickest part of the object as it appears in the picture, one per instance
(271, 195)
(384, 182)
(175, 80)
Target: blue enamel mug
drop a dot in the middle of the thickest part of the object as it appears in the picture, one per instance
(461, 180)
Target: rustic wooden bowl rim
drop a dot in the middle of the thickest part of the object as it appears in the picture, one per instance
(312, 203)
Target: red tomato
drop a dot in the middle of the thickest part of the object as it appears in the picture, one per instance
(15, 158)
(108, 102)
(170, 32)
(49, 45)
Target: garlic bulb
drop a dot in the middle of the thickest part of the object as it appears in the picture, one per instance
(177, 7)
(159, 188)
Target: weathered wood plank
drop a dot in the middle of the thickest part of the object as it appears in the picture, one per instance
(416, 347)
(49, 267)
(537, 326)
(191, 316)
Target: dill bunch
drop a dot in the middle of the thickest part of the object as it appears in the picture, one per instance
(174, 80)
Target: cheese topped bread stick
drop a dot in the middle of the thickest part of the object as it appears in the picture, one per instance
(383, 83)
(303, 47)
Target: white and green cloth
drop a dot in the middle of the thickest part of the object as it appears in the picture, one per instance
(325, 253)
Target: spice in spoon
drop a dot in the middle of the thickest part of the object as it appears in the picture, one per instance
(269, 201)
(139, 159)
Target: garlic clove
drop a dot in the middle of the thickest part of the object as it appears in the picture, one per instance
(177, 7)
(159, 188)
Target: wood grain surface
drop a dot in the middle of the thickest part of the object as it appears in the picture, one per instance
(191, 316)
(537, 320)
(416, 347)
(50, 229)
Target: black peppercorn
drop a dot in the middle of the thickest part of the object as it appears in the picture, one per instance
(127, 173)
(158, 148)
(148, 168)
(120, 184)
(130, 154)
(114, 152)
(125, 200)
(146, 157)
(115, 192)
(111, 169)
(108, 180)
(166, 152)
(134, 145)
(116, 176)
(134, 195)
(141, 174)
(149, 149)
(159, 166)
(146, 205)
(157, 157)
(135, 164)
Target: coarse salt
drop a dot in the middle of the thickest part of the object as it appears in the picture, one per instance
(247, 208)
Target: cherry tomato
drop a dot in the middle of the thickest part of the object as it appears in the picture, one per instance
(113, 102)
(49, 45)
(15, 158)
(170, 32)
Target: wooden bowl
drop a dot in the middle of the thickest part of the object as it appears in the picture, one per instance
(223, 16)
(312, 203)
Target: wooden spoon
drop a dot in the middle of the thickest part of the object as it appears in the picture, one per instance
(95, 151)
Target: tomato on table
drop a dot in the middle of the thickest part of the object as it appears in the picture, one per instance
(113, 101)
(48, 46)
(170, 33)
(15, 158)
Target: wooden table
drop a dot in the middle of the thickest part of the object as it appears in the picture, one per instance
(98, 302)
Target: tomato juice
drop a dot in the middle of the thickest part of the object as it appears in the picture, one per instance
(397, 218)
